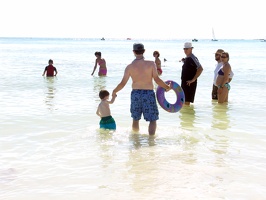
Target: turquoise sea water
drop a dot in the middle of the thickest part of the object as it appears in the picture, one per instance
(51, 148)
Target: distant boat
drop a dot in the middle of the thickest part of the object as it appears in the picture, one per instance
(194, 40)
(213, 36)
(102, 38)
(128, 38)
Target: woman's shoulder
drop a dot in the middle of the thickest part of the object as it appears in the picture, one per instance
(226, 65)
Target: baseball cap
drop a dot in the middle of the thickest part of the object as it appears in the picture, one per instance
(188, 45)
(138, 46)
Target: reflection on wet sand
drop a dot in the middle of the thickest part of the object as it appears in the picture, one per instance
(106, 144)
(220, 140)
(99, 84)
(187, 117)
(142, 161)
(142, 140)
(50, 92)
(220, 116)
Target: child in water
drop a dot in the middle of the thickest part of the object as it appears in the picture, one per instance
(103, 111)
(50, 70)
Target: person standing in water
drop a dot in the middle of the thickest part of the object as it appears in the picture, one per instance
(191, 70)
(103, 111)
(50, 70)
(143, 101)
(102, 64)
(218, 65)
(223, 78)
(157, 61)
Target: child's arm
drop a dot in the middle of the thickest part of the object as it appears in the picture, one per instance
(112, 100)
(55, 71)
(98, 112)
(44, 71)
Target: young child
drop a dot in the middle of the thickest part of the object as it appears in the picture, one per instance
(107, 121)
(50, 69)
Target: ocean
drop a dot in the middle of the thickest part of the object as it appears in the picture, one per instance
(51, 146)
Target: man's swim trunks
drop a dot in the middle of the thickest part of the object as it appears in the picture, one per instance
(108, 123)
(144, 101)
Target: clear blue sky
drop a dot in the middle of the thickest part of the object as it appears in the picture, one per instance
(135, 19)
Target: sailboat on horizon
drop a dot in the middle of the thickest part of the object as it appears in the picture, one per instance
(213, 36)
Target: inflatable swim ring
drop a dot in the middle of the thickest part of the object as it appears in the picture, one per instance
(180, 97)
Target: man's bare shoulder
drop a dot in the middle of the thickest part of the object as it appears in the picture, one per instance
(138, 64)
(150, 62)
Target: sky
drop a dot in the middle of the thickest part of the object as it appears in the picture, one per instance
(149, 19)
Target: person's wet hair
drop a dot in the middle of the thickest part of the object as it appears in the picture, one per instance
(156, 52)
(98, 53)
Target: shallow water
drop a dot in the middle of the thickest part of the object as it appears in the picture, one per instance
(51, 147)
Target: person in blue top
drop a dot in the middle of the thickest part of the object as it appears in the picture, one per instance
(191, 70)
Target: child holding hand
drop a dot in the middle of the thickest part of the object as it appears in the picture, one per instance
(103, 111)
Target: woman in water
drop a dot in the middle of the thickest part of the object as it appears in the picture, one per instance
(222, 80)
(101, 62)
(156, 55)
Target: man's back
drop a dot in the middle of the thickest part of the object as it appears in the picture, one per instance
(142, 72)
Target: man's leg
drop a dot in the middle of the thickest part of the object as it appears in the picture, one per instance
(135, 125)
(152, 127)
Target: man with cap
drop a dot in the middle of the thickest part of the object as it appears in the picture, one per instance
(143, 101)
(191, 70)
(218, 65)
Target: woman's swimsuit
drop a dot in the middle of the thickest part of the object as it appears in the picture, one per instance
(100, 62)
(227, 86)
(220, 72)
(159, 70)
(103, 72)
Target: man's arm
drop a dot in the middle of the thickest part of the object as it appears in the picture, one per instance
(123, 82)
(198, 73)
(158, 80)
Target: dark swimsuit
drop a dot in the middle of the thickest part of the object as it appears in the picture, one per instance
(221, 73)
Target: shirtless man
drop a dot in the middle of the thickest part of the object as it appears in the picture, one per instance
(143, 101)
